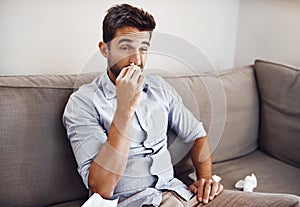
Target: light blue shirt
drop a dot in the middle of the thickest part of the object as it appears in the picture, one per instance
(149, 170)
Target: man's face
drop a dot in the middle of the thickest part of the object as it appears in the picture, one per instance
(128, 46)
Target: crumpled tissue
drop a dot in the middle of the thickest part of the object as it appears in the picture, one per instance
(248, 184)
(96, 200)
(193, 176)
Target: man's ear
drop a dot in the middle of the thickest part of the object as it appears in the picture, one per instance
(103, 49)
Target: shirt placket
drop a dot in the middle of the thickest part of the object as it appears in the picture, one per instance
(144, 120)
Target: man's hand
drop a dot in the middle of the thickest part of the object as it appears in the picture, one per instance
(129, 85)
(206, 189)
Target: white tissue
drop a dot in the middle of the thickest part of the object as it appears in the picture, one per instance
(248, 184)
(193, 176)
(216, 178)
(96, 200)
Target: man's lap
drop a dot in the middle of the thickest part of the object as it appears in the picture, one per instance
(229, 198)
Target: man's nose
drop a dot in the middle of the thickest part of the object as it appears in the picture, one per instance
(136, 58)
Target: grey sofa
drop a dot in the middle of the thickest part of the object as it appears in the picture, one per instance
(252, 115)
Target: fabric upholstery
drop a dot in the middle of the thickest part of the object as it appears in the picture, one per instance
(36, 160)
(272, 174)
(77, 203)
(239, 128)
(242, 114)
(279, 88)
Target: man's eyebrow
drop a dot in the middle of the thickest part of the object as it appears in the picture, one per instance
(131, 41)
(146, 43)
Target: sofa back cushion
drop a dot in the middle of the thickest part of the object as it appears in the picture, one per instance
(227, 103)
(36, 161)
(279, 89)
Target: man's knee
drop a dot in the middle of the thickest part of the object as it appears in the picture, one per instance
(170, 198)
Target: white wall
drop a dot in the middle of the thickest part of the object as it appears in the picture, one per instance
(61, 36)
(269, 29)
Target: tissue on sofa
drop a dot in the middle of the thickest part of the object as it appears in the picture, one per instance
(248, 184)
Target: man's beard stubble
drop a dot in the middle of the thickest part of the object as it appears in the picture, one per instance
(116, 70)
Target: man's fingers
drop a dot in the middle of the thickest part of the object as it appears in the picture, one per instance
(126, 72)
(201, 185)
(207, 190)
(137, 73)
(220, 189)
(194, 188)
(214, 189)
(122, 73)
(129, 73)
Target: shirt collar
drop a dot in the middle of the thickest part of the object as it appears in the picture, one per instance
(107, 86)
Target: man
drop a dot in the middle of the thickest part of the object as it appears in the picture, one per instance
(117, 124)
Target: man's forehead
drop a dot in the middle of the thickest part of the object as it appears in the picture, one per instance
(132, 34)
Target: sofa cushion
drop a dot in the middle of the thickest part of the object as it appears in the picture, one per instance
(77, 203)
(279, 88)
(240, 135)
(272, 174)
(36, 161)
(227, 103)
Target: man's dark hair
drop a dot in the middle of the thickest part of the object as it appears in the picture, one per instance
(125, 15)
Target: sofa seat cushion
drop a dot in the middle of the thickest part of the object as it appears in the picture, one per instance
(77, 203)
(279, 89)
(272, 174)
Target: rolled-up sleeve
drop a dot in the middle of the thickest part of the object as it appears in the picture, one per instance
(85, 133)
(181, 120)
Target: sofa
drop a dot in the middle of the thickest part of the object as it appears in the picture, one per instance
(251, 113)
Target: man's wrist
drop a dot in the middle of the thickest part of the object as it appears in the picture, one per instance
(122, 122)
(123, 114)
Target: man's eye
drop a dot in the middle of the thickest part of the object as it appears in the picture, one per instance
(144, 49)
(125, 48)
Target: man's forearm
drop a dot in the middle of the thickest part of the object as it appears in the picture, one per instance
(205, 188)
(110, 163)
(201, 157)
